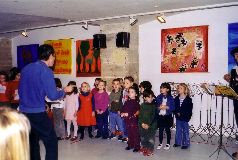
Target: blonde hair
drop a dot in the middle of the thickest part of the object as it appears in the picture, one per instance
(14, 135)
(186, 89)
(85, 84)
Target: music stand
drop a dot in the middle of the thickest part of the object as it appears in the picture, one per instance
(223, 91)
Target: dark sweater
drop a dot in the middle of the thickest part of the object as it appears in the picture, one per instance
(115, 101)
(131, 106)
(147, 114)
(185, 109)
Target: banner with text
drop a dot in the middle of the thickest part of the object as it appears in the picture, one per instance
(63, 55)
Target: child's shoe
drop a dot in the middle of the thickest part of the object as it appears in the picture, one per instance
(160, 146)
(120, 138)
(68, 137)
(81, 137)
(97, 136)
(74, 138)
(184, 147)
(135, 150)
(112, 136)
(167, 147)
(176, 145)
(124, 139)
(127, 148)
(90, 135)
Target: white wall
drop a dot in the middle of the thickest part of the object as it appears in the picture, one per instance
(39, 36)
(150, 46)
(150, 57)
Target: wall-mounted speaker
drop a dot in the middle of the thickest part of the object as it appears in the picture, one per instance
(99, 41)
(123, 39)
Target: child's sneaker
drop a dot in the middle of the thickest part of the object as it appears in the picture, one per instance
(68, 137)
(74, 138)
(124, 139)
(112, 136)
(120, 138)
(159, 146)
(167, 147)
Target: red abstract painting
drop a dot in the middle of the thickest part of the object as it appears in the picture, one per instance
(184, 49)
(88, 62)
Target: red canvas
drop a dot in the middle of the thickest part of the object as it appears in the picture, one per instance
(88, 63)
(184, 49)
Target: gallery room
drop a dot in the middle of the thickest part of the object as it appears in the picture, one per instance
(135, 79)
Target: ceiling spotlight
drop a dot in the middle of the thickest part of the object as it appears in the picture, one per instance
(24, 33)
(133, 21)
(85, 26)
(161, 18)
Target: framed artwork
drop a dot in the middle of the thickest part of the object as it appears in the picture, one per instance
(63, 53)
(88, 62)
(26, 54)
(184, 49)
(232, 43)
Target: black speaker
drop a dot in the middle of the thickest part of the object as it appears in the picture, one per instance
(99, 41)
(123, 39)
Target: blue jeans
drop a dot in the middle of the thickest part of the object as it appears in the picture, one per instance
(115, 120)
(182, 133)
(42, 128)
(102, 124)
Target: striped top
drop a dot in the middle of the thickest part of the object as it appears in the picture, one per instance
(181, 100)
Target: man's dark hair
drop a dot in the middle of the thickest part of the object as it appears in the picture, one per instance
(234, 50)
(44, 51)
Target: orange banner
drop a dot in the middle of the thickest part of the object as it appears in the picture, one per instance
(63, 53)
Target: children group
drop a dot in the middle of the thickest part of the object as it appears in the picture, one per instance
(130, 113)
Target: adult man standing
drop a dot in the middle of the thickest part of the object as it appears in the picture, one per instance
(37, 82)
(232, 78)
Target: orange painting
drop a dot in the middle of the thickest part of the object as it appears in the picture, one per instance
(88, 62)
(184, 49)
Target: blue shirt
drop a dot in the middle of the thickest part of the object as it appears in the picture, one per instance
(37, 82)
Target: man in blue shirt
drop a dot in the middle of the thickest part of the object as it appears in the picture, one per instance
(37, 82)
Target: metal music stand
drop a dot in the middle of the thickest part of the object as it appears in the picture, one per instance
(223, 91)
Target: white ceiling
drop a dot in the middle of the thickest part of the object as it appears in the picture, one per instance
(22, 14)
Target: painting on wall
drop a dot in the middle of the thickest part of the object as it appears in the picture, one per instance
(184, 49)
(232, 43)
(88, 62)
(26, 54)
(63, 55)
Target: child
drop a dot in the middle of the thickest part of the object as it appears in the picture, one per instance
(115, 108)
(130, 112)
(143, 86)
(147, 126)
(14, 133)
(12, 87)
(95, 89)
(101, 105)
(71, 108)
(58, 113)
(165, 108)
(86, 113)
(128, 82)
(183, 113)
(4, 101)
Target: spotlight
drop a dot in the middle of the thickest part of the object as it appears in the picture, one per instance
(24, 33)
(133, 21)
(161, 18)
(85, 26)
